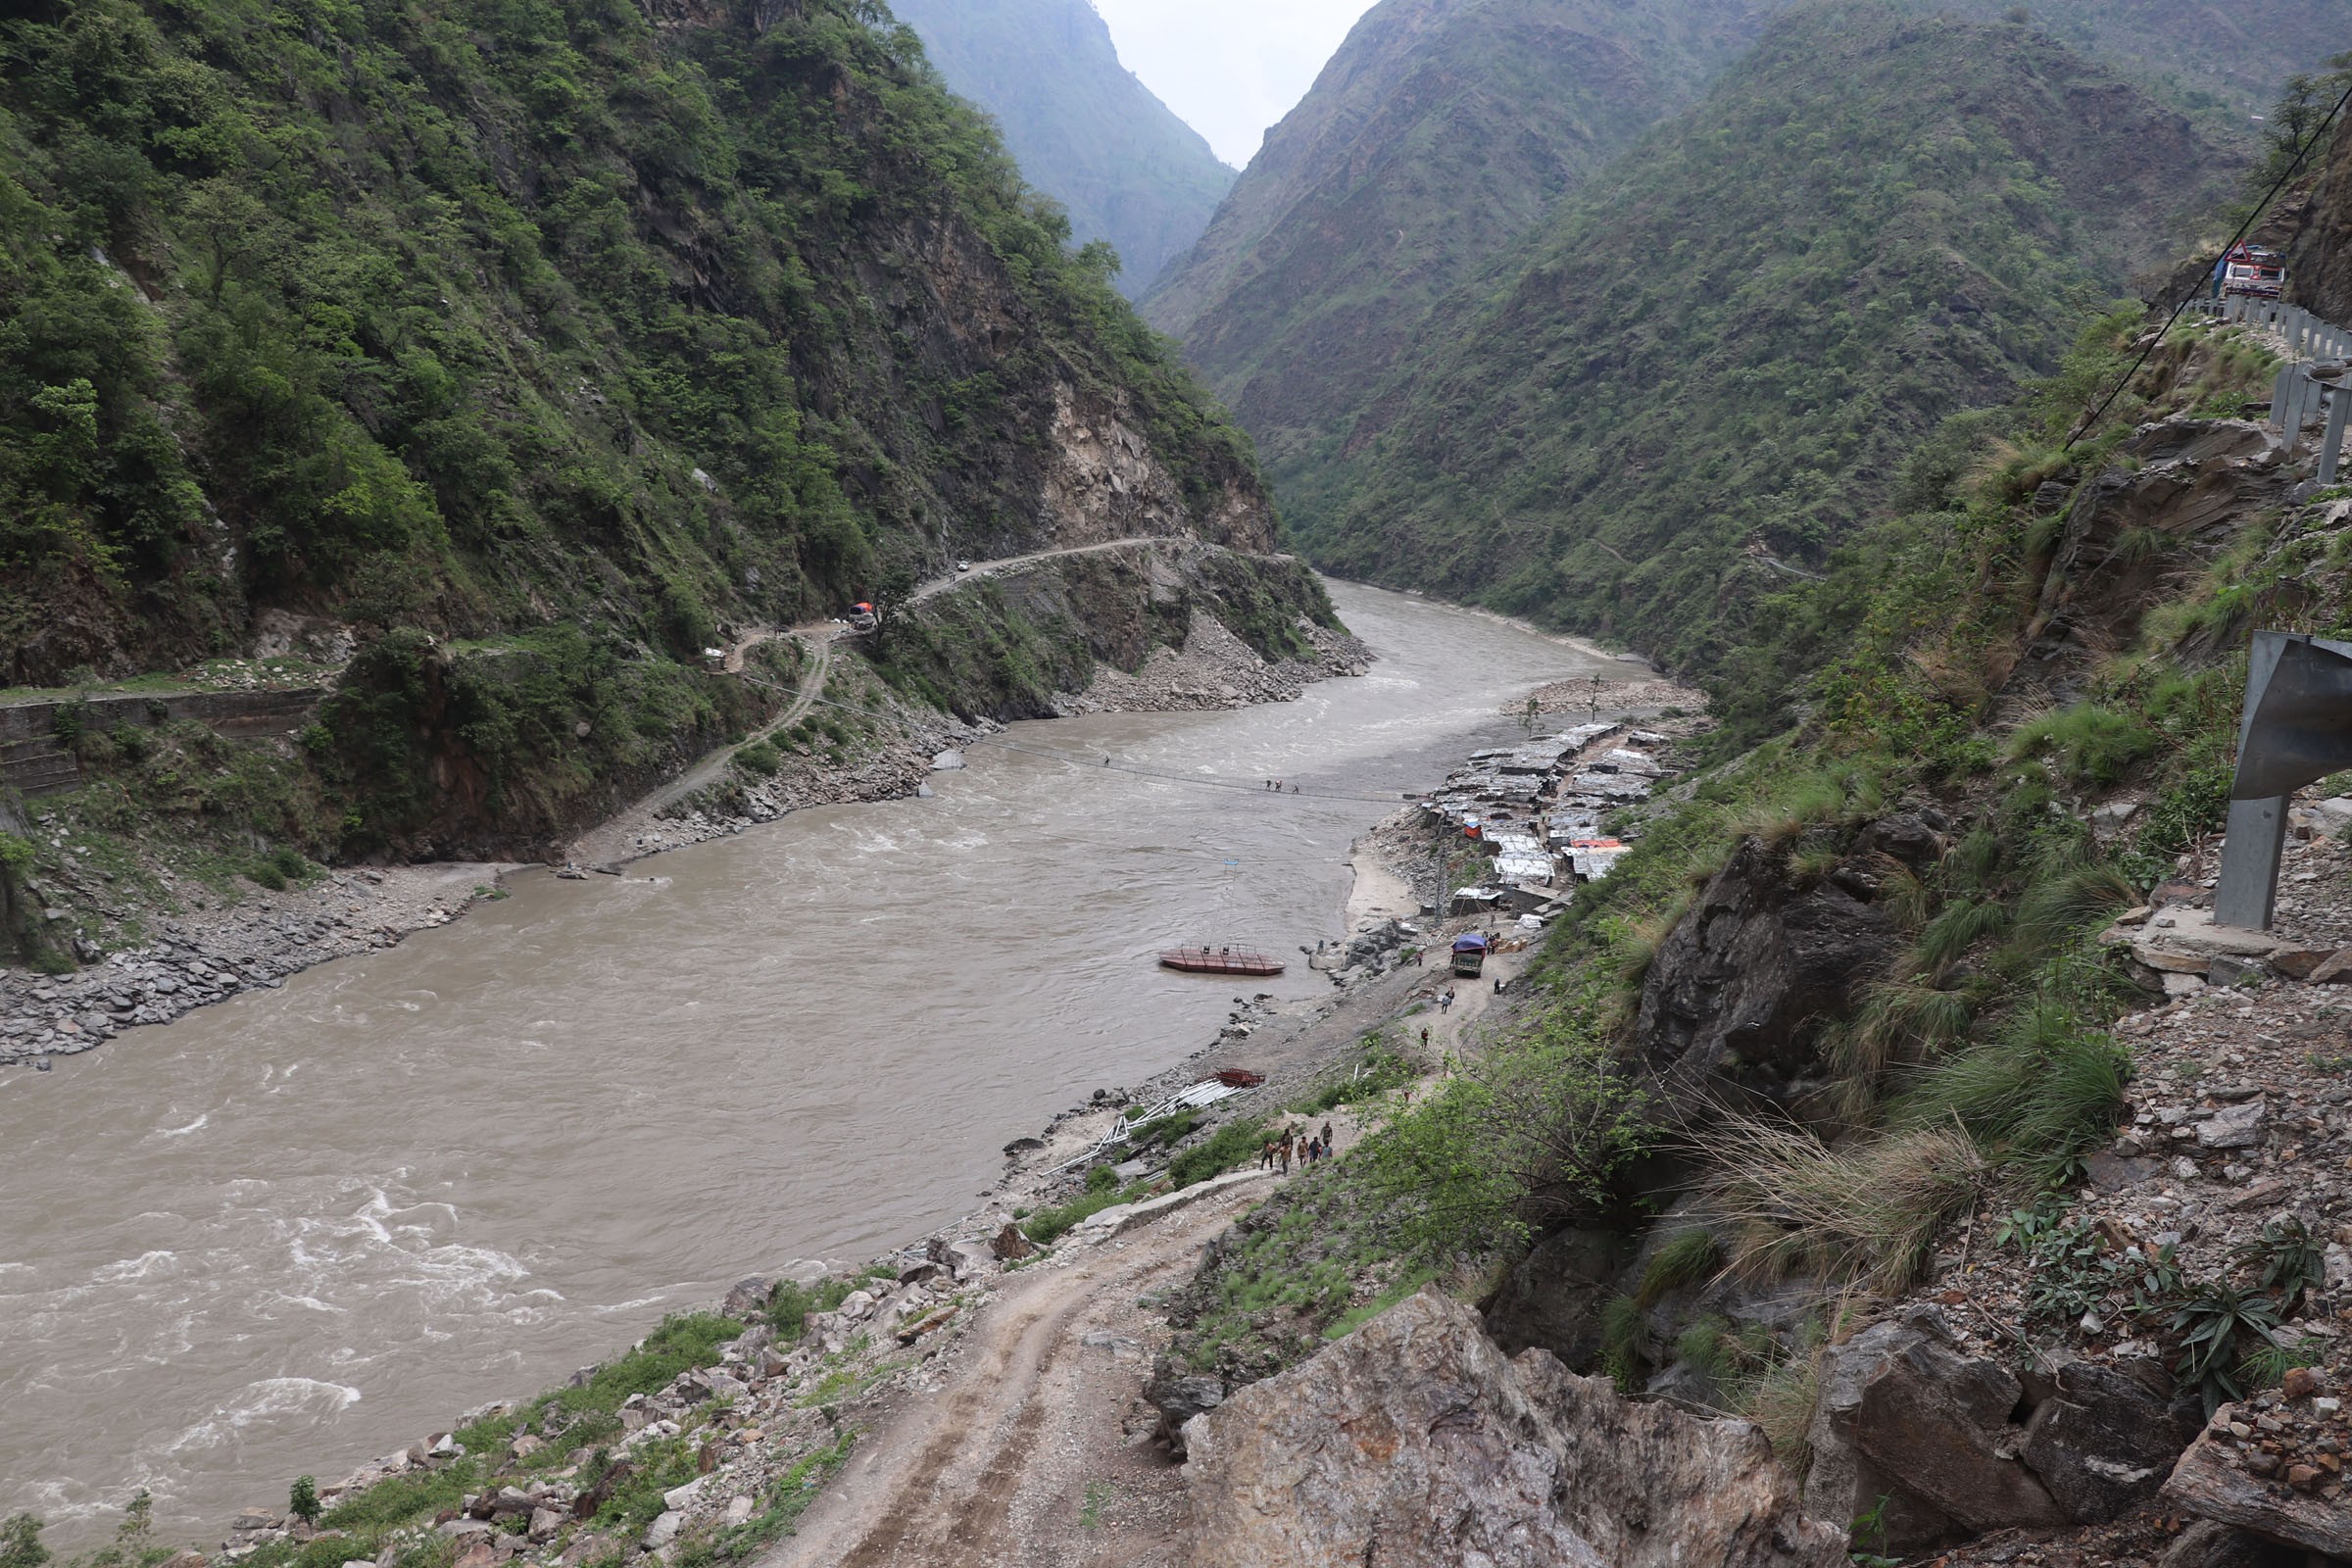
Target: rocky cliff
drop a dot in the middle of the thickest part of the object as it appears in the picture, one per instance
(2319, 256)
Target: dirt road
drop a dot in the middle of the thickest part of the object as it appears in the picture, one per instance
(615, 838)
(1033, 1447)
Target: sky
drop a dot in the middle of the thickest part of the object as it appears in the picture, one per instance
(1230, 68)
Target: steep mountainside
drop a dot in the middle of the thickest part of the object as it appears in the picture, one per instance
(1086, 131)
(1441, 130)
(1711, 359)
(534, 348)
(2235, 56)
(2319, 259)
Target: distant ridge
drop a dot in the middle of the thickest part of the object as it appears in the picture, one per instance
(1084, 129)
(1440, 132)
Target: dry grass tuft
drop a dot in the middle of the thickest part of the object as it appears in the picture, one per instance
(1864, 1214)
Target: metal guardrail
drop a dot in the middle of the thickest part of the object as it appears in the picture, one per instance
(2299, 395)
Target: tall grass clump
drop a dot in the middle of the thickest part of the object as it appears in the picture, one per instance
(2090, 744)
(1864, 1213)
(2042, 1090)
(1688, 1257)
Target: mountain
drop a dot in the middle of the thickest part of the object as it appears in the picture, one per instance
(1086, 131)
(1699, 375)
(2234, 57)
(547, 340)
(1440, 132)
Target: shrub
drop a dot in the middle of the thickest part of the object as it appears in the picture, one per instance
(1234, 1143)
(20, 1542)
(264, 873)
(788, 1303)
(1782, 1402)
(760, 757)
(2063, 906)
(302, 1501)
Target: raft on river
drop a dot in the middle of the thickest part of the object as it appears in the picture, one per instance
(1220, 960)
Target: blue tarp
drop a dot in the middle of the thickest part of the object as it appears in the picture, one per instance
(1473, 943)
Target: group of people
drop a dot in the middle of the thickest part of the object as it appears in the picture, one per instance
(1276, 785)
(1310, 1150)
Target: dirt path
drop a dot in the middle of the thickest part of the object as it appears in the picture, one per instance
(614, 839)
(1034, 1447)
(992, 569)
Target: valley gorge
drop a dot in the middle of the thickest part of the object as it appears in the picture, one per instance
(629, 657)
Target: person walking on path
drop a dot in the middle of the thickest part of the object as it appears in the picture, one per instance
(1327, 1138)
(1265, 1156)
(1286, 1154)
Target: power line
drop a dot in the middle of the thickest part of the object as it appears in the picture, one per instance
(2261, 207)
(1088, 762)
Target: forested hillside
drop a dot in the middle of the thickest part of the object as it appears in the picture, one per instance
(497, 314)
(504, 356)
(1441, 131)
(1086, 131)
(1702, 372)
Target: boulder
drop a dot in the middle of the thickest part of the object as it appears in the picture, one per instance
(1414, 1442)
(1907, 1416)
(1011, 1245)
(545, 1522)
(748, 1296)
(664, 1530)
(2210, 1484)
(2109, 1435)
(1179, 1396)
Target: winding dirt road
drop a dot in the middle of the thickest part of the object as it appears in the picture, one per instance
(1031, 1449)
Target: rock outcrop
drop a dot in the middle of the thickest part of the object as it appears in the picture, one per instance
(2319, 259)
(1734, 992)
(1415, 1442)
(2273, 1466)
(1907, 1417)
(1956, 1445)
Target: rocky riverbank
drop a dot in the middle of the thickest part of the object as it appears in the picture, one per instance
(812, 1352)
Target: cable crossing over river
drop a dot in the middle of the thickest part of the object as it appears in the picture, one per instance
(1096, 761)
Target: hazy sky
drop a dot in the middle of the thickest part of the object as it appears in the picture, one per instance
(1229, 68)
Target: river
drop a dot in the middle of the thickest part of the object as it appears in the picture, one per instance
(306, 1227)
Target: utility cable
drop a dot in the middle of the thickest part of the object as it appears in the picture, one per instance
(2261, 207)
(1089, 762)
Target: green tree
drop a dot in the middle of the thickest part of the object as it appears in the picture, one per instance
(303, 1504)
(20, 1542)
(894, 596)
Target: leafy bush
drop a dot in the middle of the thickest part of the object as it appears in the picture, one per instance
(759, 757)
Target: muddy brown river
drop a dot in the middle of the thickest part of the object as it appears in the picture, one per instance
(305, 1227)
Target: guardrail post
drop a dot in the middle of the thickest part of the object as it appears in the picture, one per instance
(2331, 445)
(2279, 391)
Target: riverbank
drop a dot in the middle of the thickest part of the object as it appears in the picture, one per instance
(227, 934)
(898, 1345)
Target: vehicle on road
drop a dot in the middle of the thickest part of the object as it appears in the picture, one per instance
(963, 565)
(1469, 955)
(2254, 272)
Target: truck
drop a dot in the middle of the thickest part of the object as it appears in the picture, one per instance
(1469, 955)
(2253, 272)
